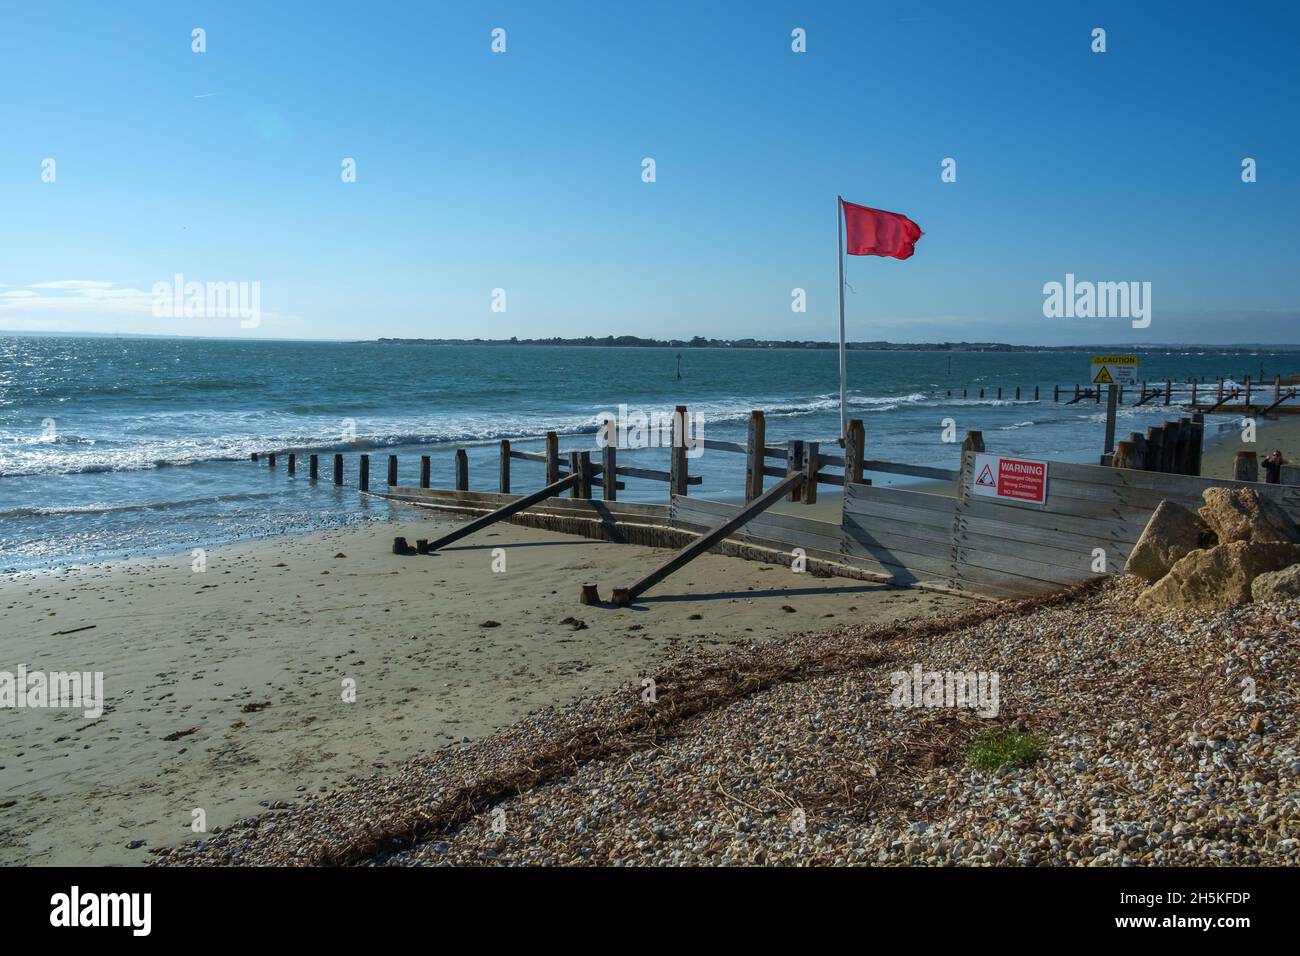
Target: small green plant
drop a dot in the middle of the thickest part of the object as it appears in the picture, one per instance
(993, 749)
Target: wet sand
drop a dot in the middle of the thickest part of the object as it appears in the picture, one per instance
(243, 665)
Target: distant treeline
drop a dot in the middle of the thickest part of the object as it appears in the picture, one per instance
(700, 342)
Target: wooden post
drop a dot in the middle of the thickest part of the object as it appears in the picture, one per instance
(1017, 393)
(1182, 446)
(1168, 447)
(1220, 389)
(755, 446)
(552, 458)
(1097, 395)
(1076, 391)
(503, 475)
(1056, 393)
(1245, 466)
(812, 460)
(855, 451)
(293, 463)
(677, 459)
(609, 472)
(1193, 393)
(794, 463)
(365, 473)
(270, 459)
(981, 391)
(392, 471)
(253, 457)
(999, 393)
(1125, 455)
(313, 467)
(338, 469)
(974, 441)
(1035, 393)
(462, 470)
(1139, 450)
(1169, 389)
(1277, 388)
(1155, 448)
(1112, 408)
(425, 468)
(580, 465)
(1198, 443)
(1247, 401)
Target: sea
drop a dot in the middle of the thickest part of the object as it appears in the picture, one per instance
(113, 448)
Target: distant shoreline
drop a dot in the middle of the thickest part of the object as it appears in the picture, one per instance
(631, 341)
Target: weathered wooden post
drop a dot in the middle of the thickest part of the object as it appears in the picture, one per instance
(1247, 397)
(392, 471)
(609, 471)
(974, 441)
(552, 458)
(293, 463)
(1182, 445)
(313, 467)
(981, 391)
(1169, 389)
(999, 393)
(1056, 393)
(812, 460)
(253, 457)
(426, 466)
(755, 448)
(1198, 443)
(1035, 393)
(580, 465)
(1125, 455)
(503, 472)
(1168, 447)
(794, 463)
(1139, 450)
(365, 473)
(1076, 391)
(1277, 388)
(1017, 393)
(462, 470)
(1097, 395)
(1155, 448)
(1245, 466)
(677, 459)
(1220, 389)
(338, 469)
(855, 452)
(270, 459)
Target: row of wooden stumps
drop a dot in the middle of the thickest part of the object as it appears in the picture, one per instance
(1146, 394)
(1173, 448)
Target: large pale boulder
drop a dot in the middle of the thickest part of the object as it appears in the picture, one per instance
(1220, 577)
(1242, 514)
(1172, 532)
(1281, 585)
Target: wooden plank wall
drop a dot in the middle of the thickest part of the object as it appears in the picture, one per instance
(1015, 549)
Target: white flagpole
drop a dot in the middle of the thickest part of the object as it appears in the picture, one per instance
(839, 255)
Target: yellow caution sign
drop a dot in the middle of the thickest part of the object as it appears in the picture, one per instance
(1114, 370)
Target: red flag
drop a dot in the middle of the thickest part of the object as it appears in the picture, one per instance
(874, 232)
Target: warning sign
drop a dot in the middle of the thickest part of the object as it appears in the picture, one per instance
(1015, 479)
(1114, 370)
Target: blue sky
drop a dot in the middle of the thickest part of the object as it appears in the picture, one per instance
(522, 170)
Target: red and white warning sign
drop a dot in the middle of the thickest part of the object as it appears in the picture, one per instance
(1016, 479)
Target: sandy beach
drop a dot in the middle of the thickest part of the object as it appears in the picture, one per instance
(224, 688)
(1282, 432)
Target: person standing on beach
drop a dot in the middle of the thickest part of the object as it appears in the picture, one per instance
(1273, 467)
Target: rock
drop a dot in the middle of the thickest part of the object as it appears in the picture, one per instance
(1241, 514)
(1277, 585)
(1218, 578)
(1171, 533)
